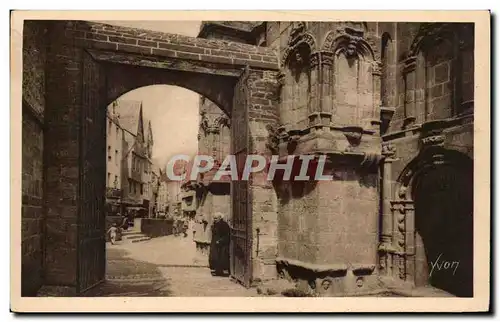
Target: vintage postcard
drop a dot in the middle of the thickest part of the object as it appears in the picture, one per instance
(280, 161)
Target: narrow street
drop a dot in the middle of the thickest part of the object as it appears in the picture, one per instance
(163, 266)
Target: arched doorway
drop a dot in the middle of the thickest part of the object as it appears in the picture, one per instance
(443, 195)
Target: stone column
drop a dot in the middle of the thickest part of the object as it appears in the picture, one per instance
(386, 249)
(376, 76)
(420, 86)
(404, 239)
(314, 101)
(326, 99)
(410, 81)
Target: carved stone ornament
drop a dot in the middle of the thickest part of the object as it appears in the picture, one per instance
(298, 28)
(349, 41)
(409, 64)
(272, 139)
(376, 68)
(223, 121)
(212, 123)
(281, 78)
(314, 60)
(401, 267)
(382, 259)
(433, 140)
(327, 58)
(298, 37)
(388, 150)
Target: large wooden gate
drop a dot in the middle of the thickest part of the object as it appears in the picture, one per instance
(241, 218)
(91, 216)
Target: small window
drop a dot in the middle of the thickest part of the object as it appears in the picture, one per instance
(109, 179)
(117, 133)
(109, 153)
(116, 181)
(116, 157)
(110, 126)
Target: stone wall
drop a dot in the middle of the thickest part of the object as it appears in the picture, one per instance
(33, 221)
(156, 227)
(61, 142)
(374, 79)
(263, 89)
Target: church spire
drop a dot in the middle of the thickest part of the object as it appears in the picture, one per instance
(140, 126)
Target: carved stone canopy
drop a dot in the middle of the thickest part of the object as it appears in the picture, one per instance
(349, 41)
(298, 41)
(213, 123)
(298, 27)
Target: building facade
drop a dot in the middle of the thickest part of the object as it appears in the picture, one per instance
(114, 153)
(204, 197)
(136, 166)
(391, 106)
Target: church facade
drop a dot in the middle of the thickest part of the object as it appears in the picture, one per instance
(391, 106)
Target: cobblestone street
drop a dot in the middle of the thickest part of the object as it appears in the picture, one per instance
(164, 266)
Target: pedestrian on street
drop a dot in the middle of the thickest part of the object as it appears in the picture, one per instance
(219, 246)
(112, 233)
(185, 227)
(124, 224)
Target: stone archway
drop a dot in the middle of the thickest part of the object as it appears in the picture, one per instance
(444, 228)
(433, 219)
(88, 66)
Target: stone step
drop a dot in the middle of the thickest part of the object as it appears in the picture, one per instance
(138, 240)
(130, 232)
(132, 237)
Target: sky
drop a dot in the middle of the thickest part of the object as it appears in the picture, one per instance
(173, 111)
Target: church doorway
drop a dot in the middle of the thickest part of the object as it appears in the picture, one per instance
(443, 197)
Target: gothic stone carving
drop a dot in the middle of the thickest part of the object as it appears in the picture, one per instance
(388, 150)
(298, 36)
(272, 139)
(299, 27)
(349, 41)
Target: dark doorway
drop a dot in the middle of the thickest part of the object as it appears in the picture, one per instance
(444, 225)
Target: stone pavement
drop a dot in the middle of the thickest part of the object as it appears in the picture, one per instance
(166, 251)
(164, 266)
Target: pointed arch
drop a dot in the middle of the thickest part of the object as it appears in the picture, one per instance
(427, 159)
(341, 42)
(304, 40)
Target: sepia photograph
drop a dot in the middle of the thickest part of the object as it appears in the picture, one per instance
(322, 158)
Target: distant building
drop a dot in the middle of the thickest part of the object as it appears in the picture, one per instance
(204, 197)
(136, 158)
(114, 142)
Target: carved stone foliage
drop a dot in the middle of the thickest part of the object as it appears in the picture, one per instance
(388, 150)
(210, 123)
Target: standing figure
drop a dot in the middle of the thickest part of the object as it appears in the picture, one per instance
(219, 246)
(112, 234)
(124, 225)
